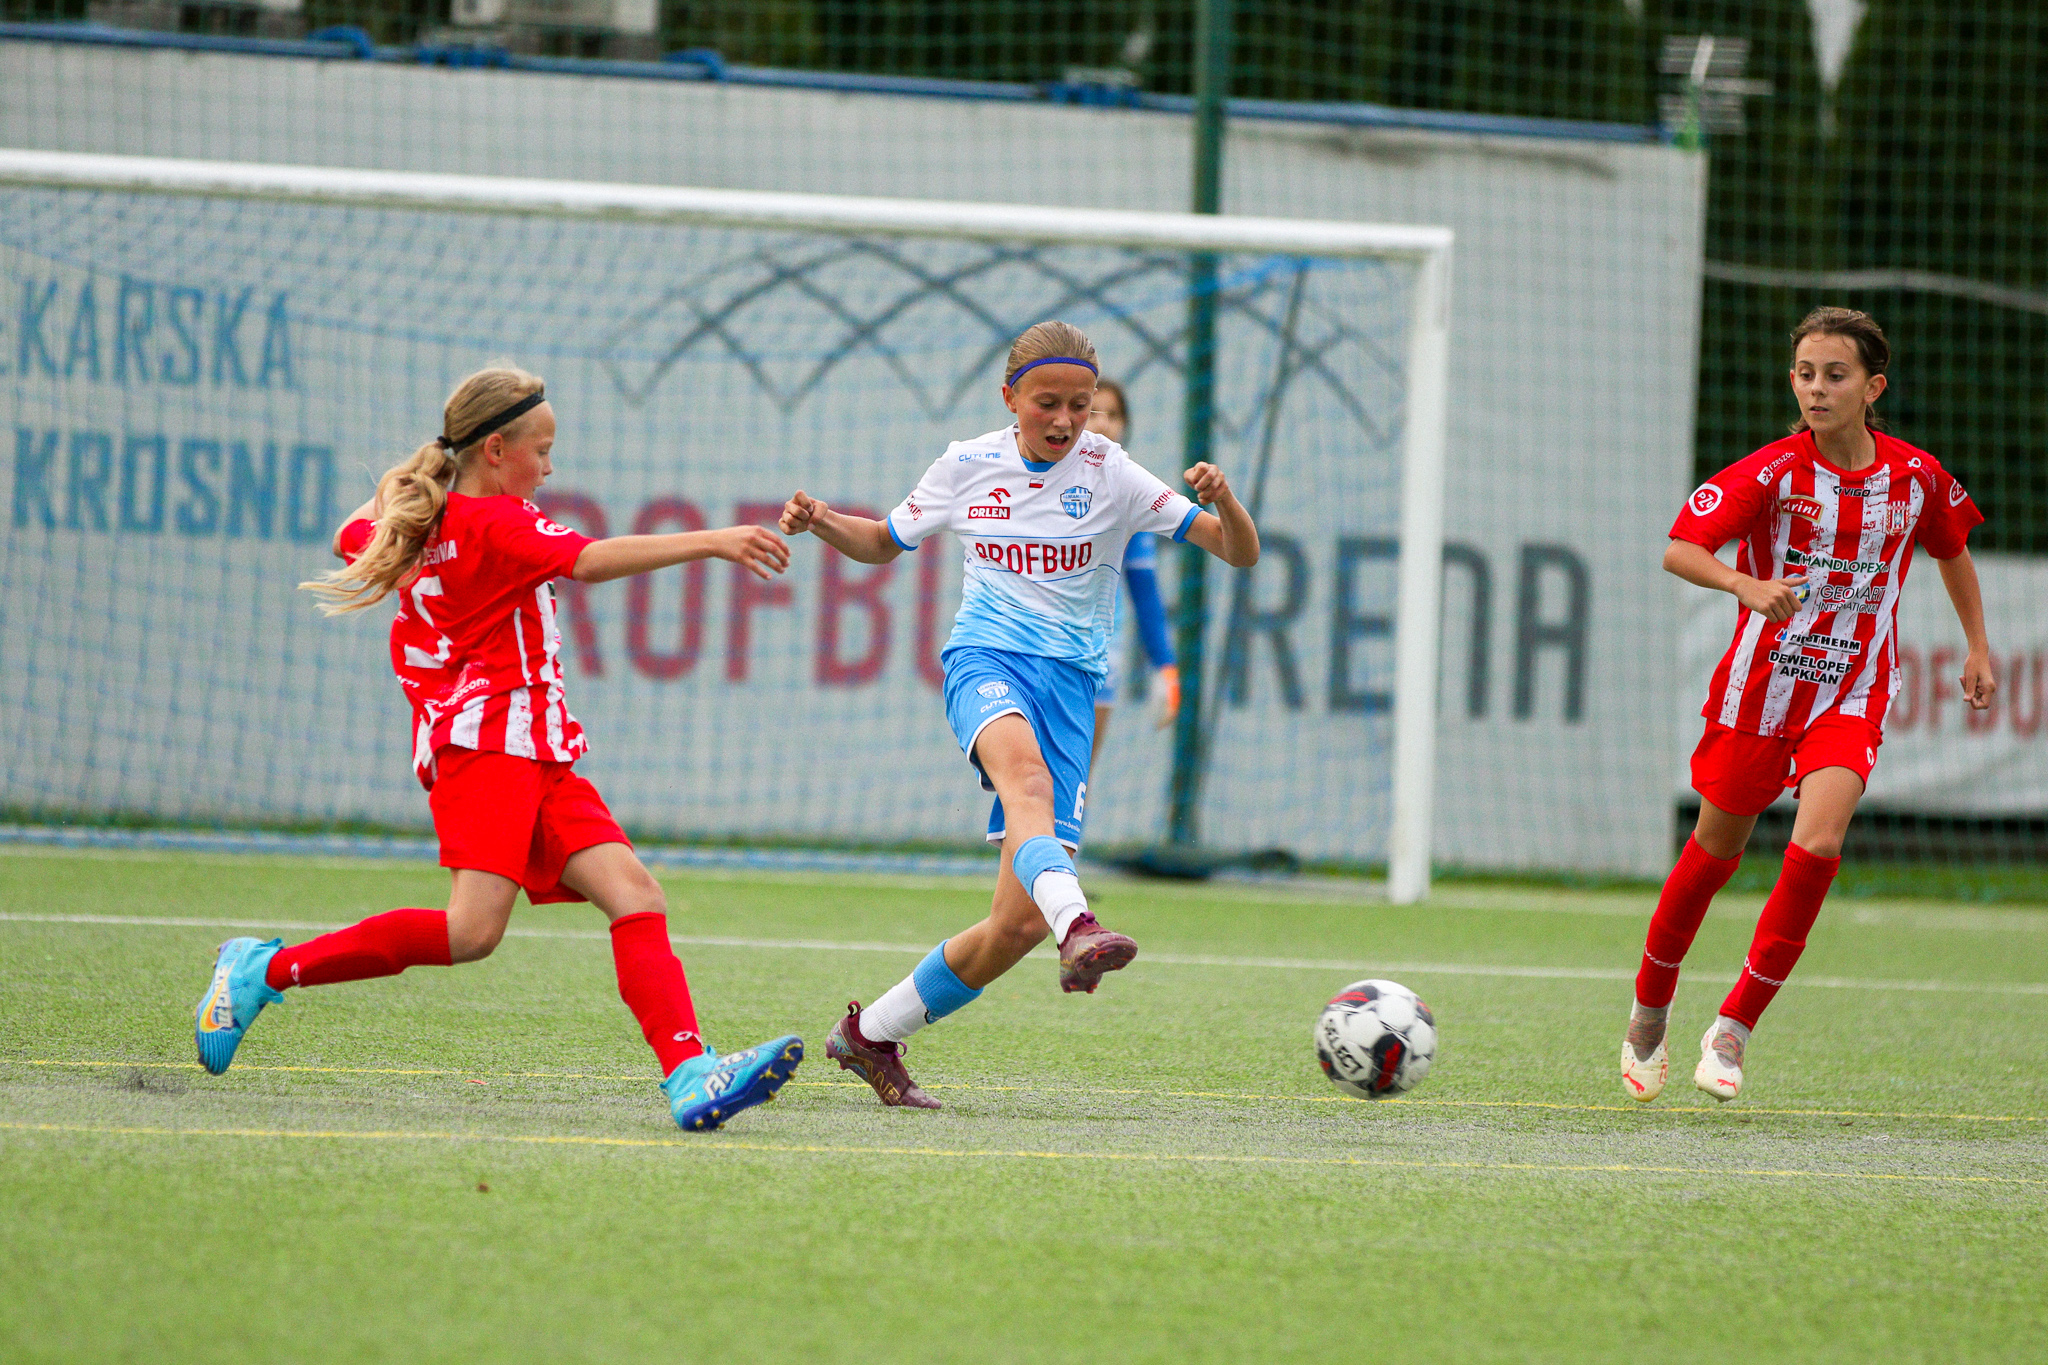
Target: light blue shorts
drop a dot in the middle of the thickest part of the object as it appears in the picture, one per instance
(1055, 698)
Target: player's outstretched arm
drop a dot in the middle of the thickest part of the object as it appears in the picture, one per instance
(858, 538)
(1980, 679)
(764, 553)
(1227, 532)
(1777, 600)
(367, 512)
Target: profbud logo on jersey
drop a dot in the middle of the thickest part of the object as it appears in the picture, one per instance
(1704, 500)
(1799, 505)
(1033, 559)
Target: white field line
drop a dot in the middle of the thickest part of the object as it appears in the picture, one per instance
(1335, 966)
(998, 1154)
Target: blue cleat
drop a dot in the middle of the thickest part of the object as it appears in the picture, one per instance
(709, 1089)
(237, 995)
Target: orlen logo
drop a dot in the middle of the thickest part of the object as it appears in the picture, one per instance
(1799, 505)
(988, 514)
(1033, 559)
(1704, 499)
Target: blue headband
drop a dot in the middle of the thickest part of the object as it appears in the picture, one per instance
(1011, 382)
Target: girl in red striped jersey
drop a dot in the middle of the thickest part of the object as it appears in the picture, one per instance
(453, 534)
(1825, 523)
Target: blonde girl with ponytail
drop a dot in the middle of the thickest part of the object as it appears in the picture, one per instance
(454, 535)
(1044, 509)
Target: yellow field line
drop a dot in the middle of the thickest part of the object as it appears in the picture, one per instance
(994, 1153)
(1406, 1101)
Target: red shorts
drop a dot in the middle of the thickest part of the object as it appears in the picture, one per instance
(1743, 773)
(518, 817)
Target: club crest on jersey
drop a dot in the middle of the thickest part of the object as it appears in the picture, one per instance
(1705, 499)
(1897, 517)
(1799, 505)
(994, 691)
(1076, 501)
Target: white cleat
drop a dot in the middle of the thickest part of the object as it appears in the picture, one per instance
(1720, 1070)
(1644, 1077)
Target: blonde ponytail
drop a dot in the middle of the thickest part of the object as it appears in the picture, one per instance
(413, 493)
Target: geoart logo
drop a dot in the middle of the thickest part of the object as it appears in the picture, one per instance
(1704, 499)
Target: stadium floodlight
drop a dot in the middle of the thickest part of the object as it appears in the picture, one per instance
(216, 349)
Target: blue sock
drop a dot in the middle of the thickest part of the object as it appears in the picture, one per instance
(1039, 854)
(939, 987)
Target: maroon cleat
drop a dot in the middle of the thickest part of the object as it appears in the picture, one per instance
(1088, 951)
(879, 1064)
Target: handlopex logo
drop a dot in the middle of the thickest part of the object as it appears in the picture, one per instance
(994, 691)
(1076, 501)
(1807, 560)
(1704, 499)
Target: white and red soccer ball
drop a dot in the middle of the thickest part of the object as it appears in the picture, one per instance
(1375, 1039)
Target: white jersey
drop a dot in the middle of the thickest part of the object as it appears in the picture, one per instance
(1043, 543)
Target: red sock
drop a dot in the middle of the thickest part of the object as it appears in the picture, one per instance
(1688, 891)
(382, 945)
(651, 983)
(1781, 932)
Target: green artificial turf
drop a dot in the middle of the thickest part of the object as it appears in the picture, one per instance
(475, 1164)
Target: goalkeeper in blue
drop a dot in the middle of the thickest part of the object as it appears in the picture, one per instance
(1043, 509)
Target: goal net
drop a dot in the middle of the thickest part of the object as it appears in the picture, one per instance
(209, 364)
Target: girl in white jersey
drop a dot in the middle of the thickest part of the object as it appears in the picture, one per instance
(1043, 509)
(1826, 521)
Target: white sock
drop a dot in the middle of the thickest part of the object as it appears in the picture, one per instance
(1059, 899)
(898, 1014)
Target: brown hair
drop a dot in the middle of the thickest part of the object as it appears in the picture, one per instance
(414, 492)
(1046, 340)
(1860, 328)
(1111, 386)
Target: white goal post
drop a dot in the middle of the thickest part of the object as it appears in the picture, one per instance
(1422, 361)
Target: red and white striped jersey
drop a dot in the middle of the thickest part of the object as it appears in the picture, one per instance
(475, 643)
(1852, 535)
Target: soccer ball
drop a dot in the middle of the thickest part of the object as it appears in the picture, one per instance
(1375, 1039)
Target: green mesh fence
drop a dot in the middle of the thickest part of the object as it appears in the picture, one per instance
(1891, 155)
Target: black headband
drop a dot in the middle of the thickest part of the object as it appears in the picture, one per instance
(524, 405)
